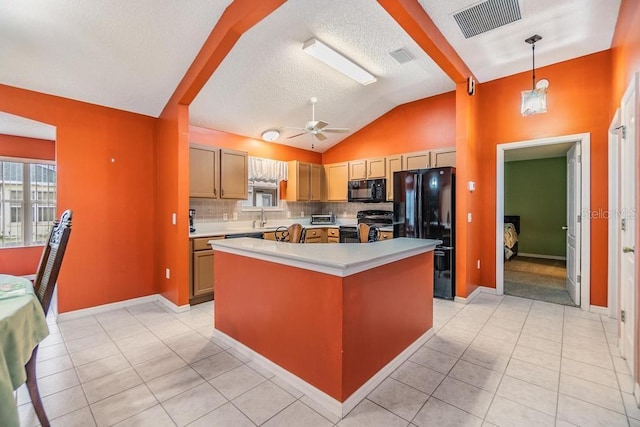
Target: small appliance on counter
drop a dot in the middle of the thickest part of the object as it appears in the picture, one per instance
(322, 219)
(192, 214)
(375, 218)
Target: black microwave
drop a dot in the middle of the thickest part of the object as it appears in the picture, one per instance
(368, 190)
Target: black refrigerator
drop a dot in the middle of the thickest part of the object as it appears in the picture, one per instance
(424, 207)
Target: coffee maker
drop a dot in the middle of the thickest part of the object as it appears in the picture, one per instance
(192, 214)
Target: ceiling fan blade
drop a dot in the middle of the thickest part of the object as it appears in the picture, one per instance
(320, 136)
(336, 130)
(293, 136)
(320, 124)
(289, 127)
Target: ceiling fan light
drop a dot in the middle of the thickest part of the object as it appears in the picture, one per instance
(324, 53)
(270, 135)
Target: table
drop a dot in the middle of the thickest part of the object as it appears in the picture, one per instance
(22, 327)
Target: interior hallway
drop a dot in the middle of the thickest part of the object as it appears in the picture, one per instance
(538, 279)
(501, 360)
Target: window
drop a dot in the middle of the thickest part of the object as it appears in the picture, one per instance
(264, 179)
(27, 202)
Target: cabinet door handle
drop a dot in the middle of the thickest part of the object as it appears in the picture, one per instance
(215, 192)
(627, 249)
(221, 192)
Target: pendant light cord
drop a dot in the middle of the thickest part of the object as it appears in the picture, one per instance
(533, 55)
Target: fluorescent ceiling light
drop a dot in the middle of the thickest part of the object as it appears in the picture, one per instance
(270, 134)
(324, 53)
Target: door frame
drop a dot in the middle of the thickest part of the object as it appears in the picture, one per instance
(613, 288)
(584, 139)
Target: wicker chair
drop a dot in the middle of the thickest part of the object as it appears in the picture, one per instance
(368, 233)
(44, 284)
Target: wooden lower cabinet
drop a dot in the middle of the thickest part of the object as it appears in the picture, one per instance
(314, 235)
(333, 235)
(202, 287)
(386, 235)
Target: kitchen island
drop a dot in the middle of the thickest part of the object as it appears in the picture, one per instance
(332, 320)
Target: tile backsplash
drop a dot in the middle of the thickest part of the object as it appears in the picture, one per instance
(212, 210)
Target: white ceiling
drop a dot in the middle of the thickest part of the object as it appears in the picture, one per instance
(20, 126)
(569, 29)
(131, 55)
(537, 152)
(266, 81)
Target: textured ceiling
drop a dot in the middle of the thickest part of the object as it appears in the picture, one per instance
(19, 126)
(131, 55)
(569, 29)
(266, 81)
(128, 55)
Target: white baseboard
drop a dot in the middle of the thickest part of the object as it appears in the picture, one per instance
(175, 308)
(475, 293)
(561, 258)
(332, 405)
(121, 304)
(599, 310)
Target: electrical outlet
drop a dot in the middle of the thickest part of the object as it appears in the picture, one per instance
(288, 214)
(225, 216)
(344, 214)
(469, 217)
(235, 216)
(301, 214)
(173, 218)
(478, 264)
(167, 273)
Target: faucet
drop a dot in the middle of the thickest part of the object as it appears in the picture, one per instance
(263, 220)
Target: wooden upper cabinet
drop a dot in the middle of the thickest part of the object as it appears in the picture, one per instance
(315, 174)
(234, 174)
(336, 181)
(394, 163)
(358, 169)
(418, 160)
(441, 159)
(377, 167)
(304, 182)
(203, 168)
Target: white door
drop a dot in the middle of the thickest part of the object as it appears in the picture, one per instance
(628, 220)
(573, 224)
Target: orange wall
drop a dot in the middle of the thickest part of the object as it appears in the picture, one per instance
(20, 261)
(27, 148)
(173, 146)
(575, 105)
(254, 147)
(110, 252)
(420, 125)
(626, 62)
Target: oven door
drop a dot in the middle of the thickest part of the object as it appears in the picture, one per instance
(348, 234)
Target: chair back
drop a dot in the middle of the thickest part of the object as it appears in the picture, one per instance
(51, 260)
(295, 233)
(368, 233)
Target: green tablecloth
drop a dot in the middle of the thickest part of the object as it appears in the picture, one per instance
(22, 327)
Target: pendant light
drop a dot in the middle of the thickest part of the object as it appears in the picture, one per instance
(534, 101)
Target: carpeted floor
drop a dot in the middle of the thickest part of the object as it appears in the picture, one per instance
(537, 278)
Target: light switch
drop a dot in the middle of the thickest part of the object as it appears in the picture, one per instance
(469, 217)
(471, 185)
(173, 218)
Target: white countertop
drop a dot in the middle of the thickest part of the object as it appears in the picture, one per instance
(337, 259)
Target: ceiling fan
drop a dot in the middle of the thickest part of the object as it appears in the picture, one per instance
(316, 127)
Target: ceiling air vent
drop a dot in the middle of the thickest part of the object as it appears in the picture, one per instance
(402, 56)
(487, 16)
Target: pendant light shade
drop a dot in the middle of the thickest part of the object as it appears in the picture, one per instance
(534, 101)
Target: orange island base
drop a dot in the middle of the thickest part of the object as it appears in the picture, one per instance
(332, 320)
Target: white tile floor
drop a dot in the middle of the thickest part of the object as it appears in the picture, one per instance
(497, 361)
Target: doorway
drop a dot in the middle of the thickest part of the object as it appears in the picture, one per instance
(576, 279)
